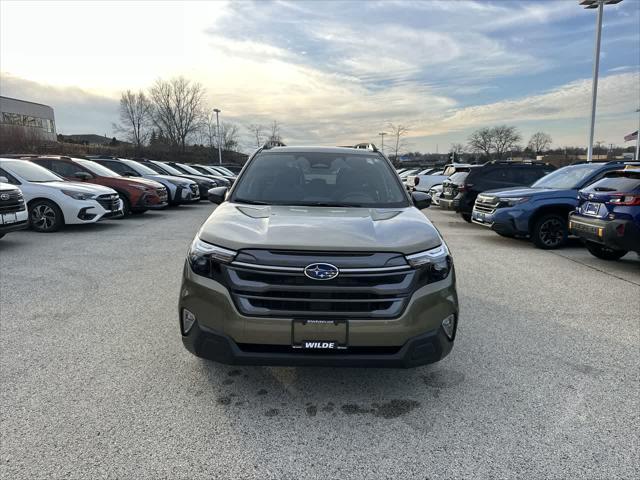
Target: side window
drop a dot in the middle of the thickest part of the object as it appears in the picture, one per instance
(64, 169)
(43, 162)
(120, 168)
(12, 180)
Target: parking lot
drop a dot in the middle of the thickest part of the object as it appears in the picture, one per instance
(543, 381)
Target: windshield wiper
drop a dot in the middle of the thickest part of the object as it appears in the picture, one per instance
(250, 202)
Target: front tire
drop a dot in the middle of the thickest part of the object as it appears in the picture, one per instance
(550, 232)
(603, 252)
(45, 216)
(466, 217)
(126, 205)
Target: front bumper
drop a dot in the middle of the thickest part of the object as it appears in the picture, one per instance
(449, 204)
(223, 334)
(614, 234)
(427, 348)
(12, 221)
(90, 211)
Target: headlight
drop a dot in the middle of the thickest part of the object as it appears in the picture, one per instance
(79, 195)
(513, 201)
(202, 256)
(434, 264)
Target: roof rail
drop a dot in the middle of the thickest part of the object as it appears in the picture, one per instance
(273, 143)
(526, 161)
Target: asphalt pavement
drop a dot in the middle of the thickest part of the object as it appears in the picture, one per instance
(543, 382)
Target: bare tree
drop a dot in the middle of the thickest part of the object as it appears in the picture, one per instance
(229, 136)
(539, 142)
(178, 110)
(257, 133)
(135, 117)
(481, 141)
(274, 132)
(505, 138)
(397, 134)
(456, 150)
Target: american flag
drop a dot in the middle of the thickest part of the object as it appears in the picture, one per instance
(631, 136)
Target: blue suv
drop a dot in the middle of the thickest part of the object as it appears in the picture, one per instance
(541, 211)
(608, 216)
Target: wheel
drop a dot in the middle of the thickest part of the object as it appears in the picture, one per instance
(466, 217)
(45, 216)
(550, 231)
(2, 235)
(126, 204)
(603, 252)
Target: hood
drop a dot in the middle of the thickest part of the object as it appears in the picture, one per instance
(144, 181)
(91, 188)
(530, 192)
(7, 187)
(198, 178)
(171, 179)
(403, 230)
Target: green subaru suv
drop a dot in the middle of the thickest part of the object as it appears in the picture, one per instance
(318, 256)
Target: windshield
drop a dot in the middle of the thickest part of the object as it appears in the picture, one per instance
(189, 169)
(226, 171)
(31, 172)
(164, 168)
(568, 177)
(96, 168)
(320, 179)
(138, 167)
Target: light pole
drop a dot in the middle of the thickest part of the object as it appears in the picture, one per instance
(382, 134)
(638, 138)
(599, 4)
(217, 110)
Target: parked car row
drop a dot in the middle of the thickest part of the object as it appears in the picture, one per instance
(45, 192)
(597, 202)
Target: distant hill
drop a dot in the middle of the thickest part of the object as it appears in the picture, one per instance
(88, 139)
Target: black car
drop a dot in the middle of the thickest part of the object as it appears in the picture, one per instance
(204, 183)
(461, 189)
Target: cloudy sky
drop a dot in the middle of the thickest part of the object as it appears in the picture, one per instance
(335, 72)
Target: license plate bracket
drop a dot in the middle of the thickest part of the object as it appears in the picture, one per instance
(320, 334)
(592, 208)
(8, 218)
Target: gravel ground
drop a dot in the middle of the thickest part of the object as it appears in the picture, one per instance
(543, 381)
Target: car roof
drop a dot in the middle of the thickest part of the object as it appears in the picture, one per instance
(311, 149)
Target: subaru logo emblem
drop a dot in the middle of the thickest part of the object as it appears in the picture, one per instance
(4, 196)
(321, 271)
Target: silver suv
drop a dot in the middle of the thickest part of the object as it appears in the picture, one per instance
(318, 256)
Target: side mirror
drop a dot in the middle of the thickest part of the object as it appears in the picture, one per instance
(217, 195)
(84, 176)
(421, 200)
(4, 180)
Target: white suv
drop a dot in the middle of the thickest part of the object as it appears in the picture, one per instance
(53, 201)
(13, 213)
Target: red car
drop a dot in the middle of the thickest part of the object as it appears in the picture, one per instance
(137, 194)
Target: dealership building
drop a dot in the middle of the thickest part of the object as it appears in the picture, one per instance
(33, 118)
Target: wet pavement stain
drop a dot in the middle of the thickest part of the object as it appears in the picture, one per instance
(223, 400)
(328, 407)
(396, 408)
(443, 378)
(227, 381)
(272, 412)
(353, 409)
(262, 391)
(235, 373)
(312, 411)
